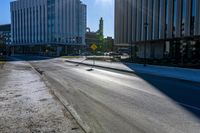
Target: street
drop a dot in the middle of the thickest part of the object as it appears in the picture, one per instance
(100, 66)
(115, 102)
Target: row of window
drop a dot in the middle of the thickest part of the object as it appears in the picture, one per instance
(73, 40)
(39, 23)
(69, 40)
(173, 15)
(164, 19)
(25, 23)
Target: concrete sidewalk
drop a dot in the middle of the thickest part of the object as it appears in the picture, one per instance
(27, 105)
(171, 72)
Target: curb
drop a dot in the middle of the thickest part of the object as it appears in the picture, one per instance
(130, 72)
(64, 102)
(69, 107)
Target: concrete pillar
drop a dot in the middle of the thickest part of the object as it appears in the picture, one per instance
(144, 18)
(170, 19)
(35, 22)
(139, 20)
(116, 23)
(134, 19)
(45, 24)
(188, 17)
(24, 21)
(66, 19)
(17, 23)
(39, 22)
(20, 22)
(32, 21)
(129, 29)
(156, 11)
(150, 19)
(178, 18)
(121, 21)
(56, 19)
(28, 23)
(71, 20)
(162, 19)
(121, 10)
(197, 18)
(125, 35)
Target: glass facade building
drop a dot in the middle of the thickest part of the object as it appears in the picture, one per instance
(166, 20)
(48, 22)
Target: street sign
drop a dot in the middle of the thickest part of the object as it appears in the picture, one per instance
(93, 47)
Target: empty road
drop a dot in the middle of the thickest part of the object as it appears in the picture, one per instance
(114, 102)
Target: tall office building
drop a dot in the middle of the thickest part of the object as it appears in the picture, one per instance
(48, 22)
(164, 27)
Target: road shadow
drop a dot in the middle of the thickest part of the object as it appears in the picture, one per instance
(184, 93)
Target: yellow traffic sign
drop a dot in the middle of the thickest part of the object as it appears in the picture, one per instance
(93, 47)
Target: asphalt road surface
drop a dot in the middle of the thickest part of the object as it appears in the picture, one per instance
(113, 102)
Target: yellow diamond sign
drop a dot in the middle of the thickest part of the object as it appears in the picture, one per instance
(93, 47)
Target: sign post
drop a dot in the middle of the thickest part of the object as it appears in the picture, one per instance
(93, 47)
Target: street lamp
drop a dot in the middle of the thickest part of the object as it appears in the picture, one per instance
(145, 44)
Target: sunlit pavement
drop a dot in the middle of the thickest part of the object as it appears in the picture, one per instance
(163, 71)
(113, 102)
(26, 104)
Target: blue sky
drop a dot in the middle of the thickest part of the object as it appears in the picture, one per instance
(95, 10)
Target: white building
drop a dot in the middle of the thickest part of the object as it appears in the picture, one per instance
(48, 22)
